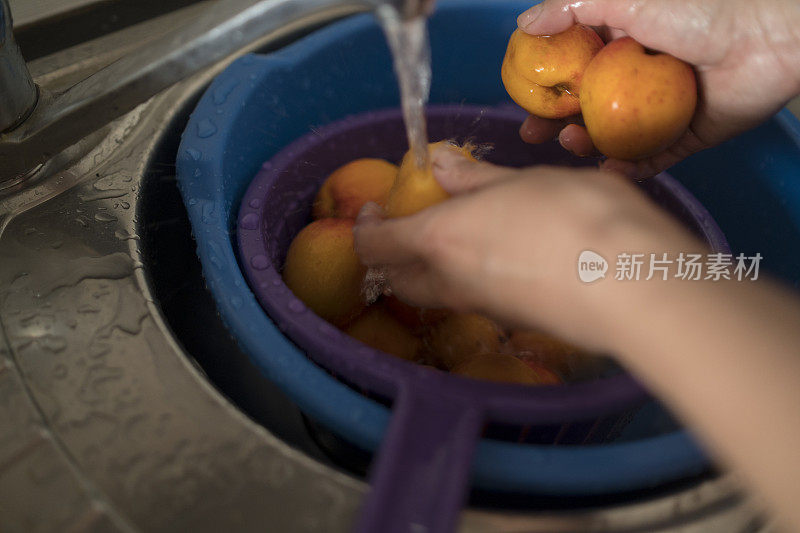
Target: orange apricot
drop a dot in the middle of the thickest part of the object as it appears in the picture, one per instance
(543, 73)
(349, 187)
(376, 327)
(323, 270)
(416, 188)
(504, 368)
(460, 336)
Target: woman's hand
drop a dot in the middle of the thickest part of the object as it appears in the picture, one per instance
(722, 354)
(508, 245)
(746, 54)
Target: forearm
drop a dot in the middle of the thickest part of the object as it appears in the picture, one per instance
(726, 357)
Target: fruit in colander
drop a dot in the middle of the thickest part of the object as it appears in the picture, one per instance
(323, 270)
(376, 327)
(349, 187)
(460, 336)
(416, 188)
(504, 368)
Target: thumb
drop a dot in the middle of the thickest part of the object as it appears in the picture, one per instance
(457, 174)
(554, 16)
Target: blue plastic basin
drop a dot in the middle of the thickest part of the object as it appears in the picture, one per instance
(261, 103)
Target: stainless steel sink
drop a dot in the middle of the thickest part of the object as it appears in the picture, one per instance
(124, 404)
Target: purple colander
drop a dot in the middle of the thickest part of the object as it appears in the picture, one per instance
(421, 474)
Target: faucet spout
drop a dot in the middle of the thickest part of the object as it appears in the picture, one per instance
(17, 90)
(409, 9)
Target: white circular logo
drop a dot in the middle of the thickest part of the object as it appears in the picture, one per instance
(591, 266)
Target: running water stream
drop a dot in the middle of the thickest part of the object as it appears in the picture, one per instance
(410, 47)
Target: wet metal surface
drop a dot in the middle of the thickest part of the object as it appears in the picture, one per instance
(106, 422)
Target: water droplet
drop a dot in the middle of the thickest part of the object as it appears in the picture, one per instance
(209, 215)
(125, 205)
(222, 92)
(108, 194)
(192, 201)
(206, 128)
(255, 203)
(250, 221)
(104, 217)
(236, 302)
(296, 306)
(260, 262)
(194, 154)
(197, 173)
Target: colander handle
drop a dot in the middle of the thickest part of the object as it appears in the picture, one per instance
(421, 474)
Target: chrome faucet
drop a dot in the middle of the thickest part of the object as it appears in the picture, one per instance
(18, 94)
(35, 126)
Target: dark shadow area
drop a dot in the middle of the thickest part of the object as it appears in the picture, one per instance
(90, 22)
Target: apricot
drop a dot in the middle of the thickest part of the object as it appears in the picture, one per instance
(416, 188)
(543, 73)
(545, 375)
(414, 318)
(460, 336)
(323, 270)
(349, 187)
(636, 103)
(544, 350)
(376, 327)
(504, 368)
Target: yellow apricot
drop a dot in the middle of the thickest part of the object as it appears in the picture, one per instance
(323, 270)
(376, 327)
(349, 187)
(416, 188)
(504, 368)
(543, 73)
(414, 318)
(537, 347)
(460, 336)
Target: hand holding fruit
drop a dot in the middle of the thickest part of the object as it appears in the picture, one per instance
(482, 251)
(746, 58)
(323, 271)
